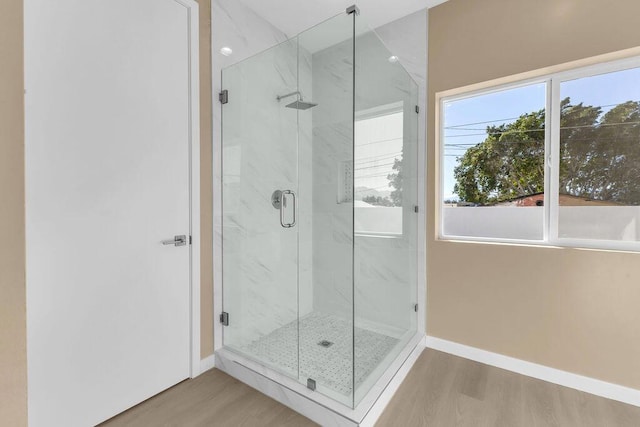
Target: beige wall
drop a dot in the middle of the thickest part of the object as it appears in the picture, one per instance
(575, 310)
(13, 346)
(206, 184)
(13, 366)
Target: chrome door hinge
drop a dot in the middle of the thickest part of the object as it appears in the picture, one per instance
(416, 209)
(223, 96)
(224, 318)
(415, 308)
(417, 109)
(311, 384)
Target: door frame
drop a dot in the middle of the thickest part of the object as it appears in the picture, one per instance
(194, 183)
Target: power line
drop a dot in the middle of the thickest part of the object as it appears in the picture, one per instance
(377, 158)
(375, 166)
(379, 141)
(515, 118)
(481, 123)
(377, 175)
(495, 133)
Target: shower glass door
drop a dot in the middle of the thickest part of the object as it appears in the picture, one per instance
(260, 186)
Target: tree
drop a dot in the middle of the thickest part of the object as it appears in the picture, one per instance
(395, 181)
(507, 164)
(600, 156)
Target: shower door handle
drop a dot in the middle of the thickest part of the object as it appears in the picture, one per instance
(283, 205)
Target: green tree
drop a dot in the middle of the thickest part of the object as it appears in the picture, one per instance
(507, 164)
(601, 152)
(600, 156)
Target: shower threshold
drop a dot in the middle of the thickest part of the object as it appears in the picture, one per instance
(315, 405)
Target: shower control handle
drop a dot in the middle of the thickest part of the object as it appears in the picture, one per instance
(294, 204)
(279, 201)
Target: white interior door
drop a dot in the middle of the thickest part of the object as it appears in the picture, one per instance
(108, 122)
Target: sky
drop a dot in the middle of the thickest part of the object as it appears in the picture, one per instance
(465, 120)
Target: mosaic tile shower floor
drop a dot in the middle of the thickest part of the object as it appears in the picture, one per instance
(325, 350)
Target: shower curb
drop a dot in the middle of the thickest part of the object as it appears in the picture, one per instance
(313, 405)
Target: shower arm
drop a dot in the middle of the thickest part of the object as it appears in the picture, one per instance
(280, 97)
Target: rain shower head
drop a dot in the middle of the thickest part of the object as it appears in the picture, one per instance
(301, 105)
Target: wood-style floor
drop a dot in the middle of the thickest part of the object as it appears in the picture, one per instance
(212, 399)
(445, 390)
(441, 390)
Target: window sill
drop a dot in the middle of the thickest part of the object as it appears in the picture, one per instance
(377, 235)
(577, 244)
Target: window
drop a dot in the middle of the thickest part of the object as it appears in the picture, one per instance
(378, 166)
(599, 142)
(510, 171)
(494, 162)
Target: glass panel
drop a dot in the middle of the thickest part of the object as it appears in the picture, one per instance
(385, 175)
(325, 59)
(600, 153)
(494, 162)
(260, 260)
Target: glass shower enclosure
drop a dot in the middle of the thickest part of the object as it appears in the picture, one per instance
(319, 181)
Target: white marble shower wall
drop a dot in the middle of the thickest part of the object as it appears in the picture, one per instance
(385, 268)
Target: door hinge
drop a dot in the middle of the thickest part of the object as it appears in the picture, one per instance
(415, 308)
(190, 240)
(417, 109)
(223, 96)
(311, 384)
(224, 318)
(416, 209)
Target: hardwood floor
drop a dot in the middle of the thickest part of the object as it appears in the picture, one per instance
(441, 390)
(445, 390)
(212, 399)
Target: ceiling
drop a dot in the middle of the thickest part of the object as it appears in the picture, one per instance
(295, 16)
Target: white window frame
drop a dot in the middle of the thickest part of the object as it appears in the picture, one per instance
(552, 155)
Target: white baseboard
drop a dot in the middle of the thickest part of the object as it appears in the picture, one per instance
(376, 411)
(207, 363)
(556, 376)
